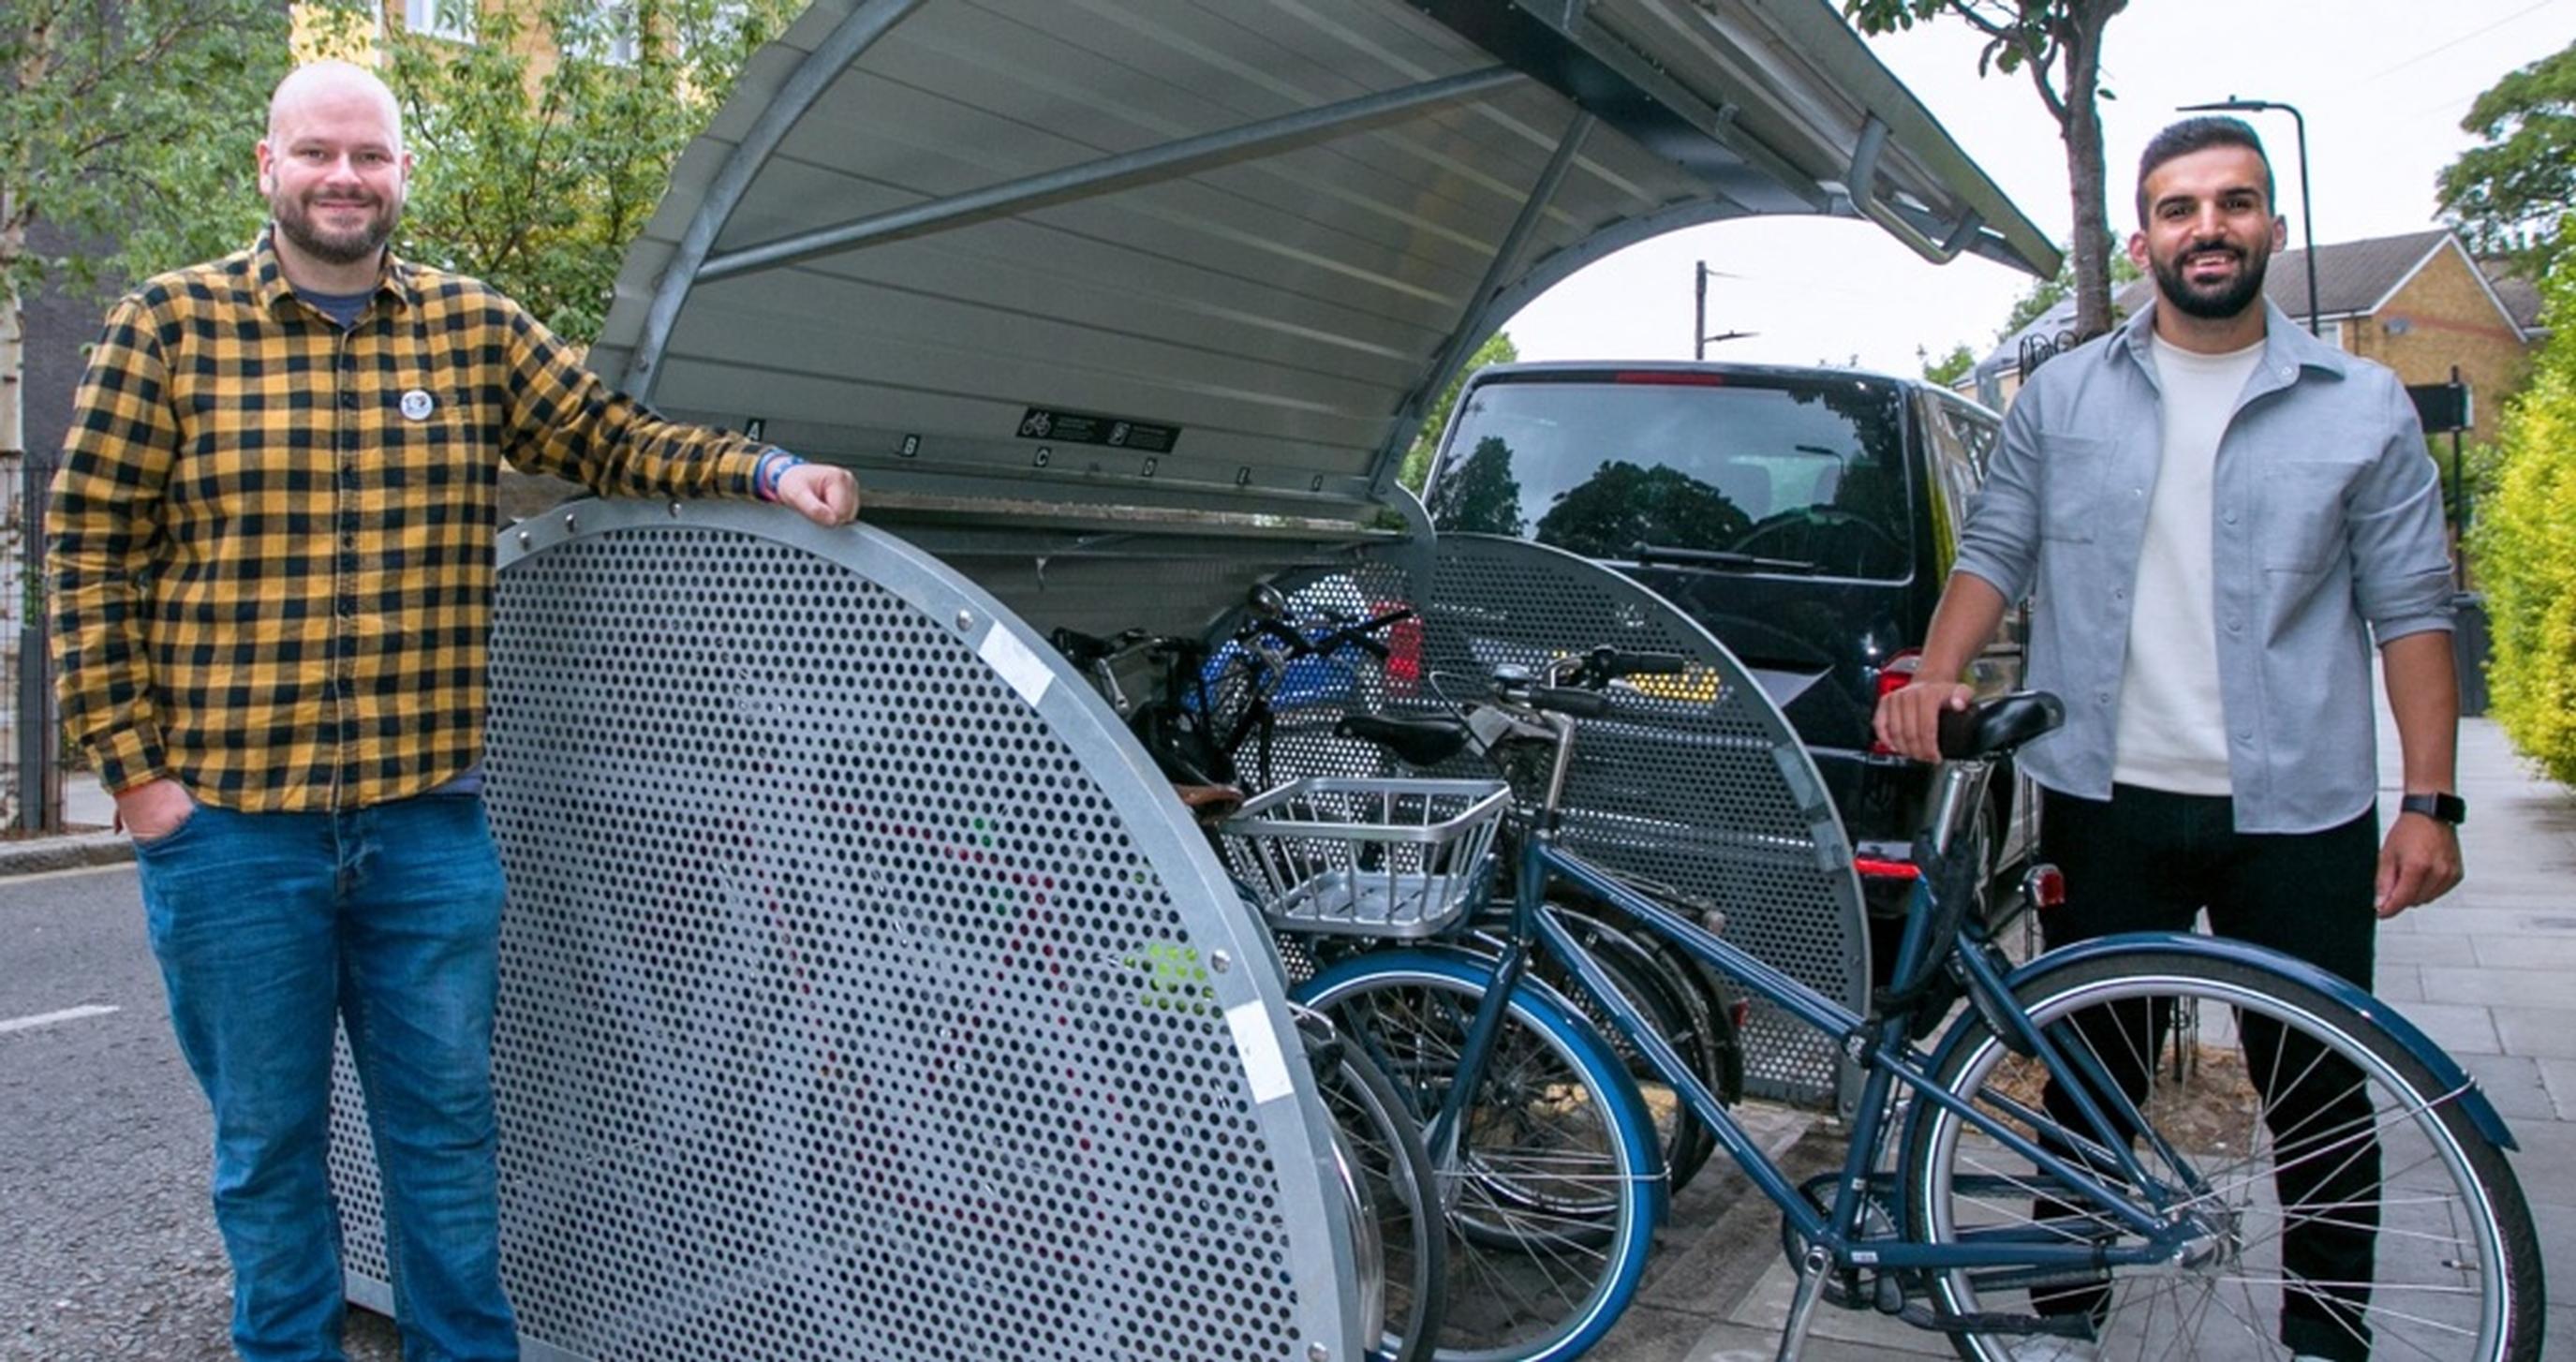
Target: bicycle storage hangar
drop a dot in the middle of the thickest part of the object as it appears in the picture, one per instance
(866, 993)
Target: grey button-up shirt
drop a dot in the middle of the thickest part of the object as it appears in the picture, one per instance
(2328, 530)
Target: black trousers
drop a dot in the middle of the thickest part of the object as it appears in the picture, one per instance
(2148, 860)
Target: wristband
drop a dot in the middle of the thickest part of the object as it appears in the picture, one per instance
(772, 468)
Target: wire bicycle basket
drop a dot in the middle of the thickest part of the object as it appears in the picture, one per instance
(1357, 856)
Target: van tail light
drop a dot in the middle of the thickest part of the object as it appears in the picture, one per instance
(1896, 675)
(1879, 868)
(2043, 886)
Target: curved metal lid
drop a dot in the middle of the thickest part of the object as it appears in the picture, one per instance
(1218, 255)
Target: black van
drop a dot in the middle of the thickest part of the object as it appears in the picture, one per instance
(1806, 517)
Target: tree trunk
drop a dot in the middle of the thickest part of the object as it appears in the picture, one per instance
(2082, 129)
(22, 764)
(13, 339)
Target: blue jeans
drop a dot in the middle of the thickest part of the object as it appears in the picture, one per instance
(267, 926)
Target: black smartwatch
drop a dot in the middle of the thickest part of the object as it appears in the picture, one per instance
(2441, 808)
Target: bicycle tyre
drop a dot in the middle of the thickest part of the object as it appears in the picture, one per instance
(2461, 1225)
(1555, 1120)
(1399, 1192)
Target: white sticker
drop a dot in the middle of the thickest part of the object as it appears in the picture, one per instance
(416, 405)
(1263, 1066)
(1005, 654)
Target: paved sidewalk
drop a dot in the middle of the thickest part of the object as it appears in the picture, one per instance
(2489, 972)
(88, 815)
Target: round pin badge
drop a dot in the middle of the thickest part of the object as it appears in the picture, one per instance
(415, 405)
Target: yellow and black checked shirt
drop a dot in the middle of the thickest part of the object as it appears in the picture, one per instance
(272, 571)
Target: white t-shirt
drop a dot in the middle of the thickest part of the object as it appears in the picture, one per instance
(2172, 732)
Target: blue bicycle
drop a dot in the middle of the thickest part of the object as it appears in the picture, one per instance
(2146, 1145)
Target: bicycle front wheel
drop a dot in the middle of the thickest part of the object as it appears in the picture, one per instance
(1549, 1187)
(1396, 1191)
(2337, 1200)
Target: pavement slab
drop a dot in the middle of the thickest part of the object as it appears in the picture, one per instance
(2543, 1031)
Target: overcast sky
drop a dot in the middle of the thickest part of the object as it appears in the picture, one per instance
(2383, 84)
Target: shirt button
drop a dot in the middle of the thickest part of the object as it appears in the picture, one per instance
(2230, 517)
(349, 401)
(2236, 626)
(2101, 697)
(2119, 593)
(2245, 735)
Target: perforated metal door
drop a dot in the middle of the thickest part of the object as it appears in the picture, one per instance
(1695, 781)
(860, 996)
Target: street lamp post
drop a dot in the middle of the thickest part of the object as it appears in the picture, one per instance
(2307, 215)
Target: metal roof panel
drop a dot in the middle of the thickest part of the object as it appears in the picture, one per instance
(1258, 233)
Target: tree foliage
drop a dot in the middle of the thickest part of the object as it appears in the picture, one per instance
(1949, 369)
(1497, 349)
(115, 116)
(122, 121)
(2513, 195)
(2058, 45)
(540, 158)
(2524, 549)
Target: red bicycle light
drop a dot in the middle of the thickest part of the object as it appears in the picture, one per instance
(1880, 868)
(2044, 886)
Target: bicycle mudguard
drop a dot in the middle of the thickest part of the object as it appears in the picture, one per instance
(2446, 1071)
(1469, 963)
(1474, 967)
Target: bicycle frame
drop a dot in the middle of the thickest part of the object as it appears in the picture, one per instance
(1881, 1045)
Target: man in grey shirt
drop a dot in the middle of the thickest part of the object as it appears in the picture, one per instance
(2214, 516)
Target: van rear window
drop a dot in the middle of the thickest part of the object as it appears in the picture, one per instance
(1800, 477)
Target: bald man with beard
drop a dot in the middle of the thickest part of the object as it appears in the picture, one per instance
(273, 567)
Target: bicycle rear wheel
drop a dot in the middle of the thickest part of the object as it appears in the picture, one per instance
(1550, 1188)
(2342, 1203)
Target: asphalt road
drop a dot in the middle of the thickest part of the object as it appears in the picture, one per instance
(107, 1246)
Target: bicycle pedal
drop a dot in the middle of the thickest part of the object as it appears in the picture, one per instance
(1923, 1316)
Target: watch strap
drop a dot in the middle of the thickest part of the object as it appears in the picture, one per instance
(2441, 808)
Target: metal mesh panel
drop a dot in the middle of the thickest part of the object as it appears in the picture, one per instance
(1695, 781)
(1699, 784)
(858, 1000)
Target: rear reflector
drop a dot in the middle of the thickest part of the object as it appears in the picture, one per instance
(2044, 886)
(1895, 676)
(1878, 869)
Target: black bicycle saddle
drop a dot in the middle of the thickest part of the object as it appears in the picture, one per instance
(1416, 740)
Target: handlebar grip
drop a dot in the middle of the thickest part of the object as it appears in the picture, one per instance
(1573, 700)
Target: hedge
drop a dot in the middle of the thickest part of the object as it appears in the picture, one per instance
(2524, 549)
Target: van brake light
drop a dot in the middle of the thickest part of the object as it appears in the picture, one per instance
(1894, 676)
